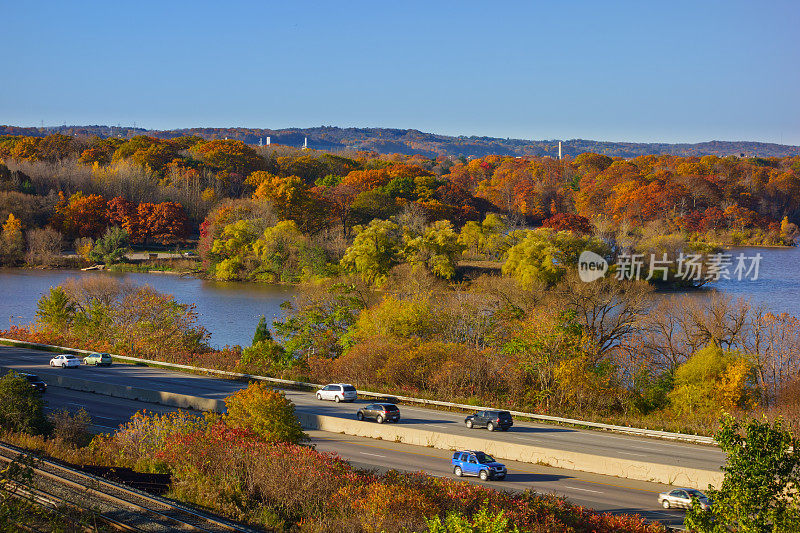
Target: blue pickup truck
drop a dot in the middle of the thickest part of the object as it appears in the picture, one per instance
(472, 463)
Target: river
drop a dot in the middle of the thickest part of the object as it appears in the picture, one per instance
(230, 311)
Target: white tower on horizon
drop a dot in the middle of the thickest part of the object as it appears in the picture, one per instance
(559, 150)
(268, 140)
(305, 144)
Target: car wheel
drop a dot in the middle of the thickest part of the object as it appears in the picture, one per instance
(665, 504)
(337, 399)
(457, 471)
(360, 415)
(468, 424)
(484, 475)
(63, 365)
(490, 426)
(379, 420)
(319, 396)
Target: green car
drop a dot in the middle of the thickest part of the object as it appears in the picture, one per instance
(102, 359)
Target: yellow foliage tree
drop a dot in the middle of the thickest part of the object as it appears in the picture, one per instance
(713, 379)
(266, 412)
(12, 243)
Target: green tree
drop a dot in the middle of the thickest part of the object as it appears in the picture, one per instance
(21, 406)
(111, 247)
(316, 323)
(266, 412)
(232, 252)
(487, 238)
(437, 249)
(262, 331)
(286, 254)
(55, 310)
(759, 490)
(544, 255)
(375, 250)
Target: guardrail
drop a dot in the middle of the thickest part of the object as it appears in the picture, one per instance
(697, 439)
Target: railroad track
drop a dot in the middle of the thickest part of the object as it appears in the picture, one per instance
(121, 507)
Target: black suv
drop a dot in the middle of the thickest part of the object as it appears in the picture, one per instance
(490, 420)
(35, 381)
(380, 412)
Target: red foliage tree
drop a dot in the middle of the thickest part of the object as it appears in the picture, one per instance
(568, 222)
(165, 222)
(123, 213)
(80, 215)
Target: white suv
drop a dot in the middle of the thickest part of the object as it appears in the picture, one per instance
(64, 360)
(338, 392)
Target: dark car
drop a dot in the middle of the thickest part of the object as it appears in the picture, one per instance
(35, 381)
(380, 412)
(490, 420)
(472, 463)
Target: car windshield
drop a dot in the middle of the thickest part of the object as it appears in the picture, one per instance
(697, 493)
(484, 458)
(349, 388)
(390, 407)
(31, 378)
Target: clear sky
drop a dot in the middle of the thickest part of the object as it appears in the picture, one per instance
(624, 71)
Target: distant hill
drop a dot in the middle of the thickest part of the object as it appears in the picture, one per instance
(389, 140)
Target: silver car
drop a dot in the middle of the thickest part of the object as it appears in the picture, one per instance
(338, 392)
(682, 499)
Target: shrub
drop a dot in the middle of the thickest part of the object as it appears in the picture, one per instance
(111, 247)
(71, 428)
(44, 247)
(21, 406)
(266, 412)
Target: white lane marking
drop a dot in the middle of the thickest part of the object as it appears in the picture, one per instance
(374, 454)
(636, 454)
(584, 490)
(439, 426)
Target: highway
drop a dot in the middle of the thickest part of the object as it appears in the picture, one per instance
(535, 434)
(604, 493)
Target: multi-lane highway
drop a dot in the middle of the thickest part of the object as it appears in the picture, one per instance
(604, 493)
(544, 435)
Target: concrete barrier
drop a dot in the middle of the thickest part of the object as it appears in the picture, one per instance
(609, 466)
(171, 399)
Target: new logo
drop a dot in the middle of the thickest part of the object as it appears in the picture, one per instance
(591, 266)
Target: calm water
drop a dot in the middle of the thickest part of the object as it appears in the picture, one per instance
(230, 311)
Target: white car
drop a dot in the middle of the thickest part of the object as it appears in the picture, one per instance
(338, 392)
(64, 360)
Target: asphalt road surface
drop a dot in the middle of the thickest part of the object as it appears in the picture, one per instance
(535, 434)
(603, 493)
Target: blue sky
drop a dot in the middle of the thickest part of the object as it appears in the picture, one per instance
(624, 71)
